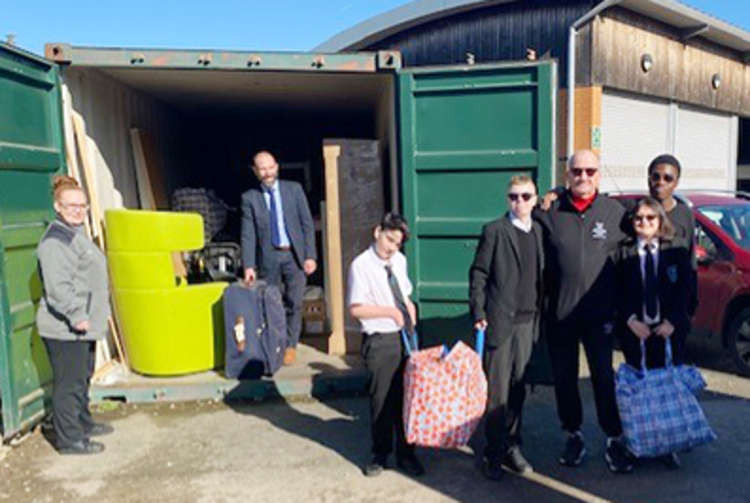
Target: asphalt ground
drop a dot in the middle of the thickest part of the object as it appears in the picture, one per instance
(312, 451)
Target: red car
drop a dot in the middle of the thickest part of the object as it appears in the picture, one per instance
(723, 250)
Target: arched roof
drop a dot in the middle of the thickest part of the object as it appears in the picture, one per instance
(399, 19)
(687, 19)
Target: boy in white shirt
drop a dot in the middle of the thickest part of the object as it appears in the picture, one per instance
(379, 290)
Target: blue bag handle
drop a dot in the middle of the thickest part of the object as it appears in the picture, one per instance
(411, 345)
(667, 354)
(479, 342)
(410, 341)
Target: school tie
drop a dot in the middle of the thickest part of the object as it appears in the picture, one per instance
(651, 284)
(274, 218)
(399, 298)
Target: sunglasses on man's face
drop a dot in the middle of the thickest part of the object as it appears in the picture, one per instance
(642, 218)
(655, 177)
(526, 196)
(590, 172)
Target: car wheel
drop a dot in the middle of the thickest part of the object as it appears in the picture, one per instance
(738, 341)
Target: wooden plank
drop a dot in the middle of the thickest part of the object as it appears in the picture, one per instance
(90, 180)
(337, 339)
(143, 154)
(154, 169)
(71, 156)
(79, 127)
(145, 192)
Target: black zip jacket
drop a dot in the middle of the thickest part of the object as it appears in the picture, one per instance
(580, 277)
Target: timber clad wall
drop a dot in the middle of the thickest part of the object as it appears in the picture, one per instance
(681, 71)
(497, 33)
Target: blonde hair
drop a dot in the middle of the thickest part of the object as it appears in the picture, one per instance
(521, 180)
(61, 183)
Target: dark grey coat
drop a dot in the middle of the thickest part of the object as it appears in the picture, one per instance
(495, 275)
(256, 227)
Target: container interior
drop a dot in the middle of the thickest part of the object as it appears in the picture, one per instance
(206, 125)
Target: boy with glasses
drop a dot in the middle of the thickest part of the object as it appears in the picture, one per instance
(505, 290)
(663, 176)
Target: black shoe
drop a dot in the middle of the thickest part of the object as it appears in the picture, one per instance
(617, 457)
(410, 465)
(493, 469)
(98, 430)
(375, 467)
(574, 451)
(671, 461)
(82, 447)
(516, 462)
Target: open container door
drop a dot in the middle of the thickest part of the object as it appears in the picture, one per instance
(31, 150)
(464, 132)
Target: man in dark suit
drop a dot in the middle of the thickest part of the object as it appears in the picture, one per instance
(278, 240)
(505, 290)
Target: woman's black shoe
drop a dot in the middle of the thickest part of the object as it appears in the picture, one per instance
(82, 447)
(99, 429)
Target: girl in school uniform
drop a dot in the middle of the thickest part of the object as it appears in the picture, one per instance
(654, 273)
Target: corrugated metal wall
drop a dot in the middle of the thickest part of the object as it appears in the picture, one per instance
(496, 33)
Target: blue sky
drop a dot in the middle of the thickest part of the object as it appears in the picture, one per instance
(219, 24)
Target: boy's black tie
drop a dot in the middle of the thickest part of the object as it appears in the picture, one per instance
(651, 284)
(399, 298)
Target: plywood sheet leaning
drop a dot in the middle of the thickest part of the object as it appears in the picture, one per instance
(103, 354)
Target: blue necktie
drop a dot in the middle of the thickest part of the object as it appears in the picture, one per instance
(274, 217)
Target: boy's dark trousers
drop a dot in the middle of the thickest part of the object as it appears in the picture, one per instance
(504, 366)
(385, 358)
(564, 354)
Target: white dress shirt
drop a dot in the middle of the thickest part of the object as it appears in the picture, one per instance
(368, 285)
(517, 222)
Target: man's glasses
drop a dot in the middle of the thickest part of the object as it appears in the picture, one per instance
(642, 218)
(514, 196)
(655, 177)
(590, 172)
(71, 206)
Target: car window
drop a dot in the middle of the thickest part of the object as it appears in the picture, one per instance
(734, 220)
(706, 239)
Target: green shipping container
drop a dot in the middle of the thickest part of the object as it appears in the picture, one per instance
(449, 140)
(30, 152)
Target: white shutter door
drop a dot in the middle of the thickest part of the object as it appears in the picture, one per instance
(634, 131)
(706, 145)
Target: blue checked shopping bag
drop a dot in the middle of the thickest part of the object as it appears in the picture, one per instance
(658, 408)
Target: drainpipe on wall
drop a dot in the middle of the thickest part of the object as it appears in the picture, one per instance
(572, 32)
